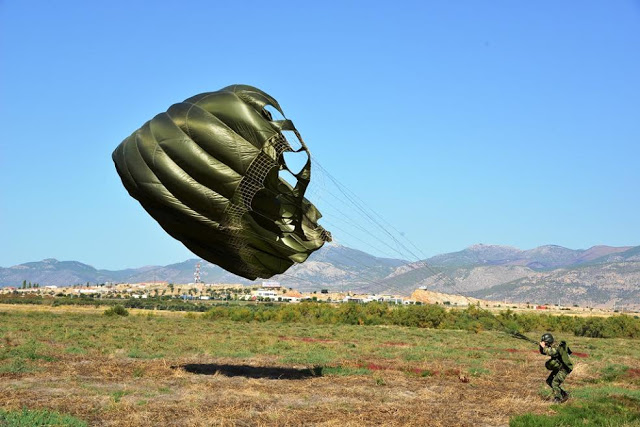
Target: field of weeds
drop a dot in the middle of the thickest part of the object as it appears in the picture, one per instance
(184, 370)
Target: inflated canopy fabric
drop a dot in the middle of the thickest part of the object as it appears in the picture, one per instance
(208, 171)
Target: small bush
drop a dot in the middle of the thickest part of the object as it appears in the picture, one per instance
(116, 310)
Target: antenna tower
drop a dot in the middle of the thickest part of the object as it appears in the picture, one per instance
(196, 274)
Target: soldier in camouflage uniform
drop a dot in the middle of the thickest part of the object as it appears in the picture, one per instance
(560, 365)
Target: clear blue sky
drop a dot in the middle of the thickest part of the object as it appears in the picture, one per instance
(502, 122)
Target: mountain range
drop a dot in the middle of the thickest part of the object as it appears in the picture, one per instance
(597, 276)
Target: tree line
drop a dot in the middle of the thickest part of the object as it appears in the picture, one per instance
(29, 285)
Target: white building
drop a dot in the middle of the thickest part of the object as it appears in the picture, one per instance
(271, 284)
(353, 299)
(266, 293)
(392, 299)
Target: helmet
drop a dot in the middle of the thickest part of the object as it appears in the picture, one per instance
(547, 338)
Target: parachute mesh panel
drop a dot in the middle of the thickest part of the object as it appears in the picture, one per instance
(251, 183)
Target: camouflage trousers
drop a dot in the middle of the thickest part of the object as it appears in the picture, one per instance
(555, 380)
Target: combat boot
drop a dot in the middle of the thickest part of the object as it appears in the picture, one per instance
(564, 397)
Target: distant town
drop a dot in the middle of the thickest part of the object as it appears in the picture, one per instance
(268, 291)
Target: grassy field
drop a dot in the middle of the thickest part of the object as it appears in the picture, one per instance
(70, 367)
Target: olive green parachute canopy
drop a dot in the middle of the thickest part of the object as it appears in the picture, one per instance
(208, 171)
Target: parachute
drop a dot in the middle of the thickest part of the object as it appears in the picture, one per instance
(208, 171)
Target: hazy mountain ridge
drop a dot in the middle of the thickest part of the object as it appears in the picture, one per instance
(598, 275)
(542, 257)
(333, 267)
(601, 284)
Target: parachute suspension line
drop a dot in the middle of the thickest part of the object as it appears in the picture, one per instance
(345, 218)
(352, 198)
(336, 226)
(377, 284)
(382, 224)
(369, 216)
(257, 236)
(375, 213)
(247, 208)
(319, 284)
(349, 195)
(420, 262)
(356, 224)
(361, 207)
(358, 232)
(343, 215)
(313, 282)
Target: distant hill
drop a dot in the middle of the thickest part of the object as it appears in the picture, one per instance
(333, 266)
(598, 276)
(542, 257)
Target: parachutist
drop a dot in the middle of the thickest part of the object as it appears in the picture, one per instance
(559, 364)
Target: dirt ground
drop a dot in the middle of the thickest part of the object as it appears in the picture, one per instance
(195, 392)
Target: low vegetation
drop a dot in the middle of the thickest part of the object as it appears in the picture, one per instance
(604, 406)
(472, 318)
(27, 418)
(156, 303)
(116, 310)
(311, 363)
(430, 316)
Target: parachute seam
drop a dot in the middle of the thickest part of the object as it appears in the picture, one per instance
(208, 192)
(136, 144)
(120, 153)
(186, 121)
(221, 124)
(238, 125)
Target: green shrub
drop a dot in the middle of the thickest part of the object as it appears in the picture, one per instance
(423, 316)
(242, 314)
(116, 310)
(593, 327)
